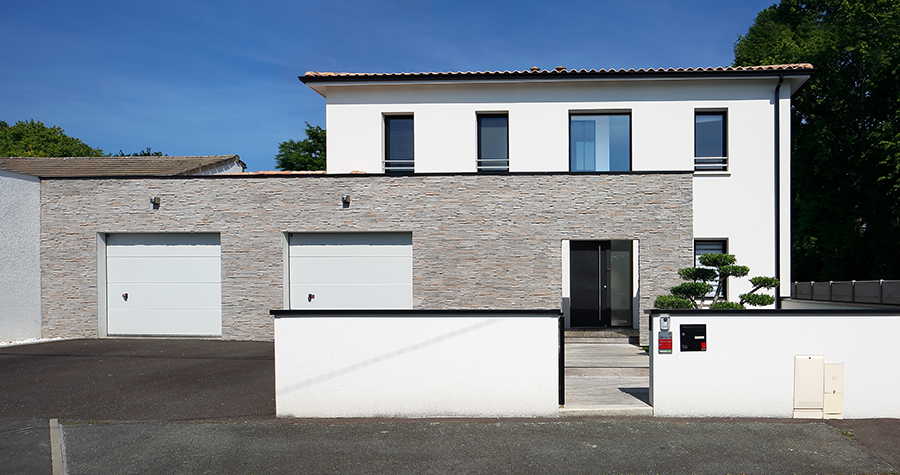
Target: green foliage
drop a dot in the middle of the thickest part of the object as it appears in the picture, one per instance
(698, 274)
(669, 302)
(757, 300)
(307, 154)
(713, 259)
(764, 282)
(34, 139)
(143, 153)
(694, 292)
(845, 155)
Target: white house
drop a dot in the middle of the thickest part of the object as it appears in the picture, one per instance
(483, 191)
(729, 127)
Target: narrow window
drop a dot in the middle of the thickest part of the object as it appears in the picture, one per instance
(710, 153)
(493, 143)
(600, 142)
(399, 149)
(710, 246)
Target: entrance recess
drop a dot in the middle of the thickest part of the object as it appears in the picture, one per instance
(600, 277)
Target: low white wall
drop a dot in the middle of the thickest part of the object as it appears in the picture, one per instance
(747, 369)
(20, 257)
(416, 364)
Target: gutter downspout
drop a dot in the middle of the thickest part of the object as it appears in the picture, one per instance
(778, 189)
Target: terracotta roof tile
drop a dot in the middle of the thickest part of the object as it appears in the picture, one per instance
(559, 71)
(115, 166)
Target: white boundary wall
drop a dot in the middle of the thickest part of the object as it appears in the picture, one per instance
(747, 369)
(416, 364)
(20, 257)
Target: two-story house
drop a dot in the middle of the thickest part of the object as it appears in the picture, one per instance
(577, 190)
(728, 129)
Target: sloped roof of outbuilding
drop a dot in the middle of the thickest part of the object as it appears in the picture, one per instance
(61, 167)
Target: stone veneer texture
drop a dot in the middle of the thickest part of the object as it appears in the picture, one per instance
(479, 241)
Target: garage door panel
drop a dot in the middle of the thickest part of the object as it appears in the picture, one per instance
(164, 295)
(351, 296)
(351, 250)
(155, 245)
(350, 240)
(163, 269)
(173, 283)
(181, 322)
(345, 269)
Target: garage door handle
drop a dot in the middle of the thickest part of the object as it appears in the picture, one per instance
(125, 296)
(310, 297)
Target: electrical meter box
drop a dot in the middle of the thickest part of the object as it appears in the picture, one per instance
(693, 337)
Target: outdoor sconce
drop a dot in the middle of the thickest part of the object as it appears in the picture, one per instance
(154, 200)
(345, 200)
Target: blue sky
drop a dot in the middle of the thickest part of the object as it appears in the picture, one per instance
(209, 78)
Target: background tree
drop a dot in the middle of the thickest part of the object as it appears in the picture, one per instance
(143, 153)
(307, 154)
(845, 132)
(34, 139)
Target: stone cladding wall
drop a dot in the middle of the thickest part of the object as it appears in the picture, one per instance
(479, 241)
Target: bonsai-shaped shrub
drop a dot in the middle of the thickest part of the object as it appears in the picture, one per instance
(701, 281)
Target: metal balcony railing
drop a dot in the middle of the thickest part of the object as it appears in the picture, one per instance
(885, 292)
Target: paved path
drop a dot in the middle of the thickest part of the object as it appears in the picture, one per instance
(606, 376)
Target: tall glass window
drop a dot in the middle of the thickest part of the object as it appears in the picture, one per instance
(709, 141)
(399, 146)
(600, 142)
(493, 143)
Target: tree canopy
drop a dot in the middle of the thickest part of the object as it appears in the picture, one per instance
(34, 139)
(845, 132)
(307, 154)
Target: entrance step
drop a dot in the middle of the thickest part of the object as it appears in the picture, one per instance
(606, 411)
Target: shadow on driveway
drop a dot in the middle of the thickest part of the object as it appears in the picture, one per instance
(139, 380)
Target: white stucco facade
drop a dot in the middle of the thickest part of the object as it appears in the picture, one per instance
(20, 252)
(737, 205)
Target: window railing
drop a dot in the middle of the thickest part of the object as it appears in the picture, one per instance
(886, 292)
(711, 164)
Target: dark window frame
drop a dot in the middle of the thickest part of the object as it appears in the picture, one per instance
(402, 166)
(573, 114)
(480, 166)
(708, 162)
(724, 243)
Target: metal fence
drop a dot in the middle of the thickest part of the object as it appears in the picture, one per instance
(855, 291)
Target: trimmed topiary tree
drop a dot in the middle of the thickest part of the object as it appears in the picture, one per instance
(701, 281)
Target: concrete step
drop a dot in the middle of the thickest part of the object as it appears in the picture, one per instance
(606, 411)
(602, 341)
(601, 371)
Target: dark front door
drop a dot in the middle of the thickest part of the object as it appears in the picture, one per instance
(600, 283)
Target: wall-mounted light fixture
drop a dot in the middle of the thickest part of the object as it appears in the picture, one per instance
(345, 200)
(154, 200)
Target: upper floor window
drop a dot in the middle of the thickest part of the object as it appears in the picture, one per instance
(710, 153)
(600, 142)
(399, 146)
(493, 143)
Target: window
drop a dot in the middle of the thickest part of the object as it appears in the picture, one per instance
(399, 149)
(710, 153)
(600, 142)
(709, 246)
(493, 143)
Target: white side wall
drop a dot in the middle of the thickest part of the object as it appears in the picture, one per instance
(747, 369)
(662, 114)
(416, 366)
(20, 253)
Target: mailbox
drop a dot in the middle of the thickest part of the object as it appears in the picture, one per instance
(693, 337)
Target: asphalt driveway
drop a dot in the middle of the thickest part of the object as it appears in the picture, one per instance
(138, 380)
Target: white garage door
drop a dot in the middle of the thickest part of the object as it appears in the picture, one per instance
(351, 271)
(163, 284)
